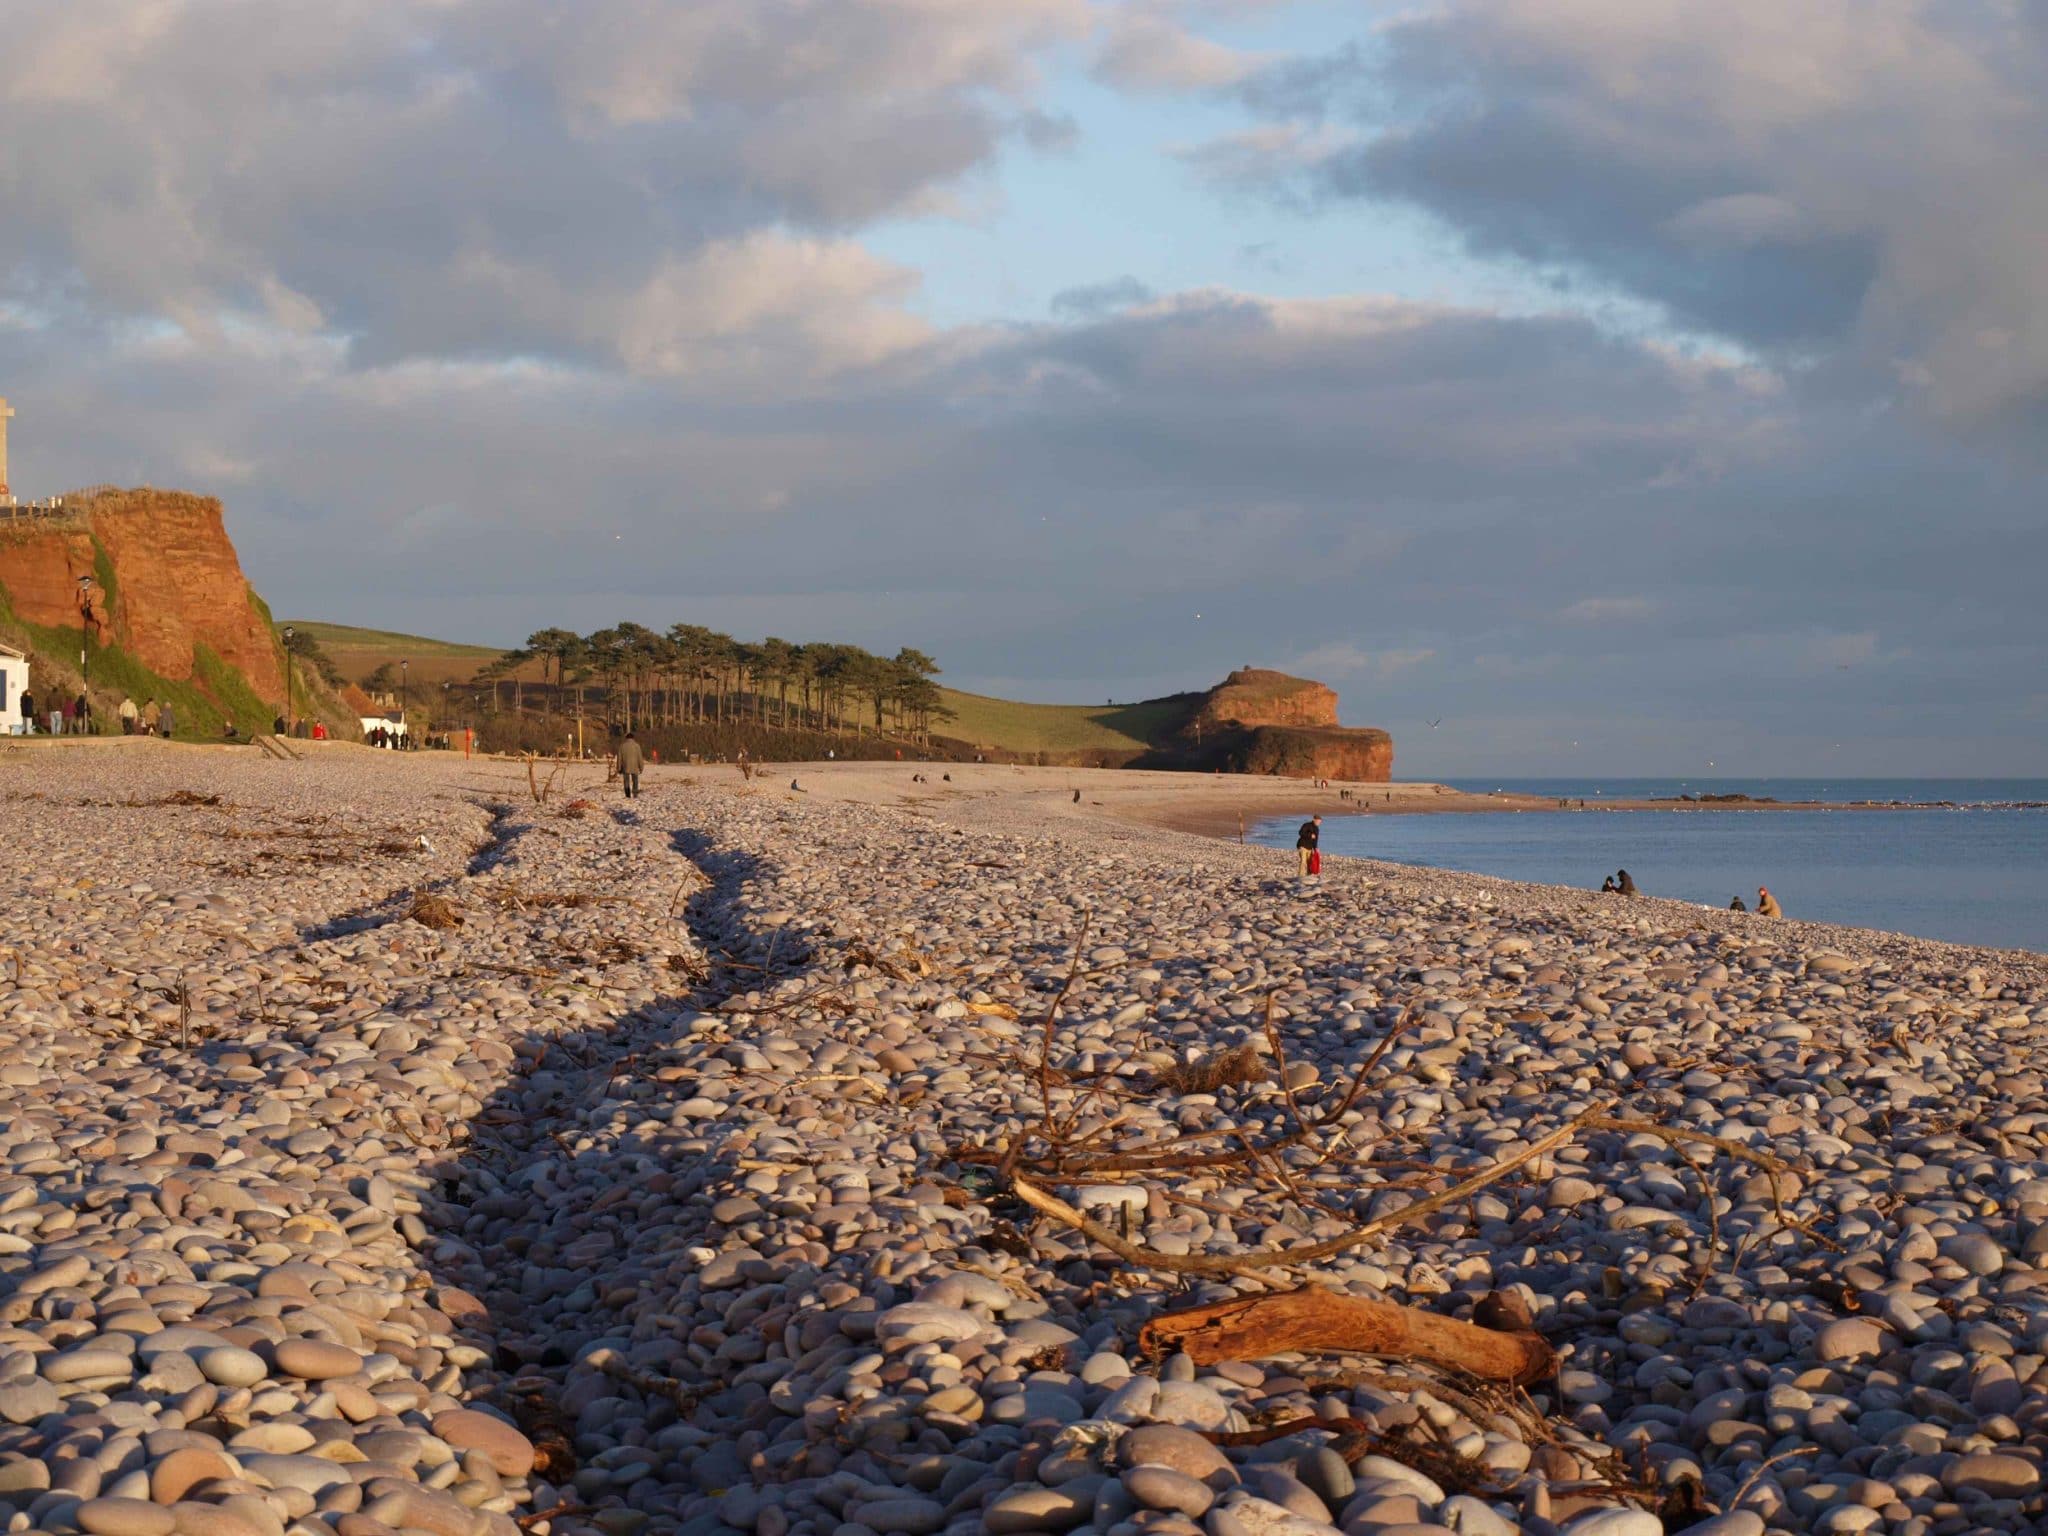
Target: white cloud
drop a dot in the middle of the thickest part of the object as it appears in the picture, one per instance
(513, 177)
(1346, 659)
(1849, 181)
(1148, 48)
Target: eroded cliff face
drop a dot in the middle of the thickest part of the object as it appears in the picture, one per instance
(165, 581)
(1268, 722)
(1335, 752)
(1255, 696)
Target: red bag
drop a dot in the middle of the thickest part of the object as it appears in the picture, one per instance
(1315, 861)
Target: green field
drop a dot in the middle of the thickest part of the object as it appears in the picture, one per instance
(386, 644)
(1004, 725)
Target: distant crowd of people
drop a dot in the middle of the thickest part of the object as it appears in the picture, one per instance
(74, 717)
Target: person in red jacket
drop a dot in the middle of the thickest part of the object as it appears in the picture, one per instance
(1308, 846)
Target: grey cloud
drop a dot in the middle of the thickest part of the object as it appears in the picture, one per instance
(1095, 299)
(1857, 179)
(485, 177)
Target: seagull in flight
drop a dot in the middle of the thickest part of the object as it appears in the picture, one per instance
(1439, 720)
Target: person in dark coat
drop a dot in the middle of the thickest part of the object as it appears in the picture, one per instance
(28, 713)
(1626, 886)
(631, 762)
(1735, 905)
(1307, 841)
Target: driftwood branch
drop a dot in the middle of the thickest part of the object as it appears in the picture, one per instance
(1311, 1320)
(1301, 1253)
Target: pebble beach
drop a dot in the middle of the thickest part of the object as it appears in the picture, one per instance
(416, 1145)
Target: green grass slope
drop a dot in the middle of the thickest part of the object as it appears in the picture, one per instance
(1003, 725)
(387, 644)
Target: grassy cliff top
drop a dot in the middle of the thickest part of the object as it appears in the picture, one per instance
(387, 644)
(1005, 725)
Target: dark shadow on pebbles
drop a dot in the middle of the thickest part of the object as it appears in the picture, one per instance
(659, 1404)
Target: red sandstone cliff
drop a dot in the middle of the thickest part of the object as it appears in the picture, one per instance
(1254, 696)
(175, 583)
(1285, 725)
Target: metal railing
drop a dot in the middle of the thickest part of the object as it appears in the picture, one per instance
(13, 509)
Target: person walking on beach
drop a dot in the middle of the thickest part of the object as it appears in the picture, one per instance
(167, 722)
(28, 713)
(1308, 846)
(128, 714)
(1767, 904)
(630, 764)
(151, 715)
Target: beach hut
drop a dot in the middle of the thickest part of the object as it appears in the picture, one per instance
(13, 684)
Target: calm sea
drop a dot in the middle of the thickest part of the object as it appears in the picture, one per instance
(1977, 874)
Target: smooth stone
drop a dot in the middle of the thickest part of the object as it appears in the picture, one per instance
(1182, 1450)
(88, 1364)
(125, 1517)
(24, 1476)
(1244, 1516)
(1474, 1517)
(1849, 1338)
(1327, 1475)
(25, 1402)
(910, 1516)
(1034, 1508)
(185, 1469)
(923, 1323)
(231, 1366)
(1616, 1522)
(1387, 1470)
(191, 1519)
(61, 1275)
(1158, 1487)
(310, 1474)
(1192, 1404)
(1992, 1472)
(510, 1453)
(316, 1359)
(1737, 1522)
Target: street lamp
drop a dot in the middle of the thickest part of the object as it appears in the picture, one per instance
(84, 650)
(291, 708)
(404, 699)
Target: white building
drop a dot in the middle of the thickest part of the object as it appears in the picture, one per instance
(13, 684)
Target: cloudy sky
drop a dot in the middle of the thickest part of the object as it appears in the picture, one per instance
(1627, 384)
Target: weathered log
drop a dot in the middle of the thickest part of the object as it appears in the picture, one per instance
(1311, 1321)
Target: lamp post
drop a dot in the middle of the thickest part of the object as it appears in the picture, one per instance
(84, 644)
(291, 709)
(404, 700)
